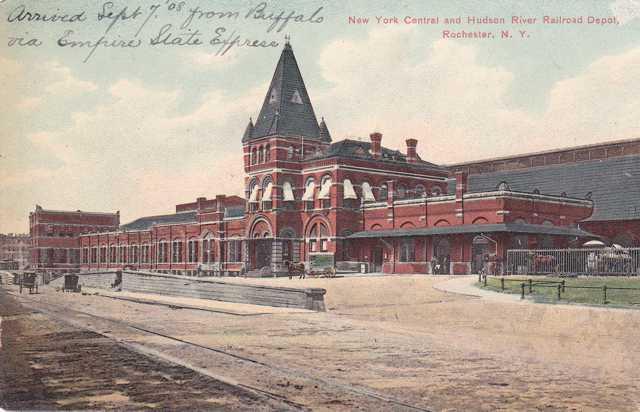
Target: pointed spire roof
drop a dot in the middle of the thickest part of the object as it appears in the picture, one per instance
(287, 109)
(248, 132)
(325, 136)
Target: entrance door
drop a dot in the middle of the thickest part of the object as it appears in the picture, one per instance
(262, 253)
(479, 252)
(376, 260)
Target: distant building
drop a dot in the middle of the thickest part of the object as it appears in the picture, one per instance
(14, 251)
(55, 236)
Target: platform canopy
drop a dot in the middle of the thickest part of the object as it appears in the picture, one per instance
(519, 228)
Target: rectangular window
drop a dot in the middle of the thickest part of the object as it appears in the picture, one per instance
(324, 245)
(193, 251)
(94, 255)
(85, 255)
(103, 254)
(177, 252)
(133, 254)
(235, 251)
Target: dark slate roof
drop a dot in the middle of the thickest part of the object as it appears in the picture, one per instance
(145, 223)
(362, 150)
(280, 113)
(614, 184)
(470, 229)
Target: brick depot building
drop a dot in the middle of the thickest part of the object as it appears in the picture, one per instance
(309, 199)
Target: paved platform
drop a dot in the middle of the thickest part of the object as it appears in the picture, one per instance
(465, 285)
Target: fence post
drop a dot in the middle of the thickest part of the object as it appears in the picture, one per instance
(604, 292)
(559, 289)
(502, 283)
(522, 292)
(530, 285)
(563, 285)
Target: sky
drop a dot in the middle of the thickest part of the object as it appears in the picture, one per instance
(140, 129)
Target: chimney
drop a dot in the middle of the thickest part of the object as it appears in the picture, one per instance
(461, 189)
(376, 148)
(412, 157)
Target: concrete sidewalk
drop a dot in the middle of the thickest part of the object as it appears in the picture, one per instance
(465, 285)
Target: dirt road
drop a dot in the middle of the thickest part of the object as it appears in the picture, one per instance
(391, 343)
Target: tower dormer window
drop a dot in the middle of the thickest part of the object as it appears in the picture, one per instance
(273, 96)
(296, 97)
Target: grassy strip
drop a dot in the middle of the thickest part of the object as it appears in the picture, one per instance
(548, 292)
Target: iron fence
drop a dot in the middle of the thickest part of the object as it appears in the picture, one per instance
(596, 262)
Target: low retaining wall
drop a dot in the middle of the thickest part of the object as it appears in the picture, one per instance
(171, 285)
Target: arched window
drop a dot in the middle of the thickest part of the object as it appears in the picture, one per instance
(290, 152)
(325, 191)
(267, 190)
(319, 238)
(419, 191)
(261, 154)
(309, 193)
(436, 191)
(254, 156)
(267, 153)
(192, 250)
(253, 200)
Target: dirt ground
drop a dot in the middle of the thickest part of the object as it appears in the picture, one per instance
(400, 338)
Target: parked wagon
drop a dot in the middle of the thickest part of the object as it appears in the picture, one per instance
(29, 281)
(71, 283)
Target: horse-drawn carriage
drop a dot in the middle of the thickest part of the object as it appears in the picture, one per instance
(300, 270)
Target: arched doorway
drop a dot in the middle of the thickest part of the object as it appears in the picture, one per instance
(260, 245)
(441, 256)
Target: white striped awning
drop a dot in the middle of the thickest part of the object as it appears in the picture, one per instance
(325, 190)
(349, 193)
(266, 196)
(287, 192)
(308, 192)
(367, 193)
(254, 194)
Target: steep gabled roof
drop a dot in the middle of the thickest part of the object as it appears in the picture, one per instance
(287, 109)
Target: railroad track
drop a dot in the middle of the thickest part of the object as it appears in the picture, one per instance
(78, 318)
